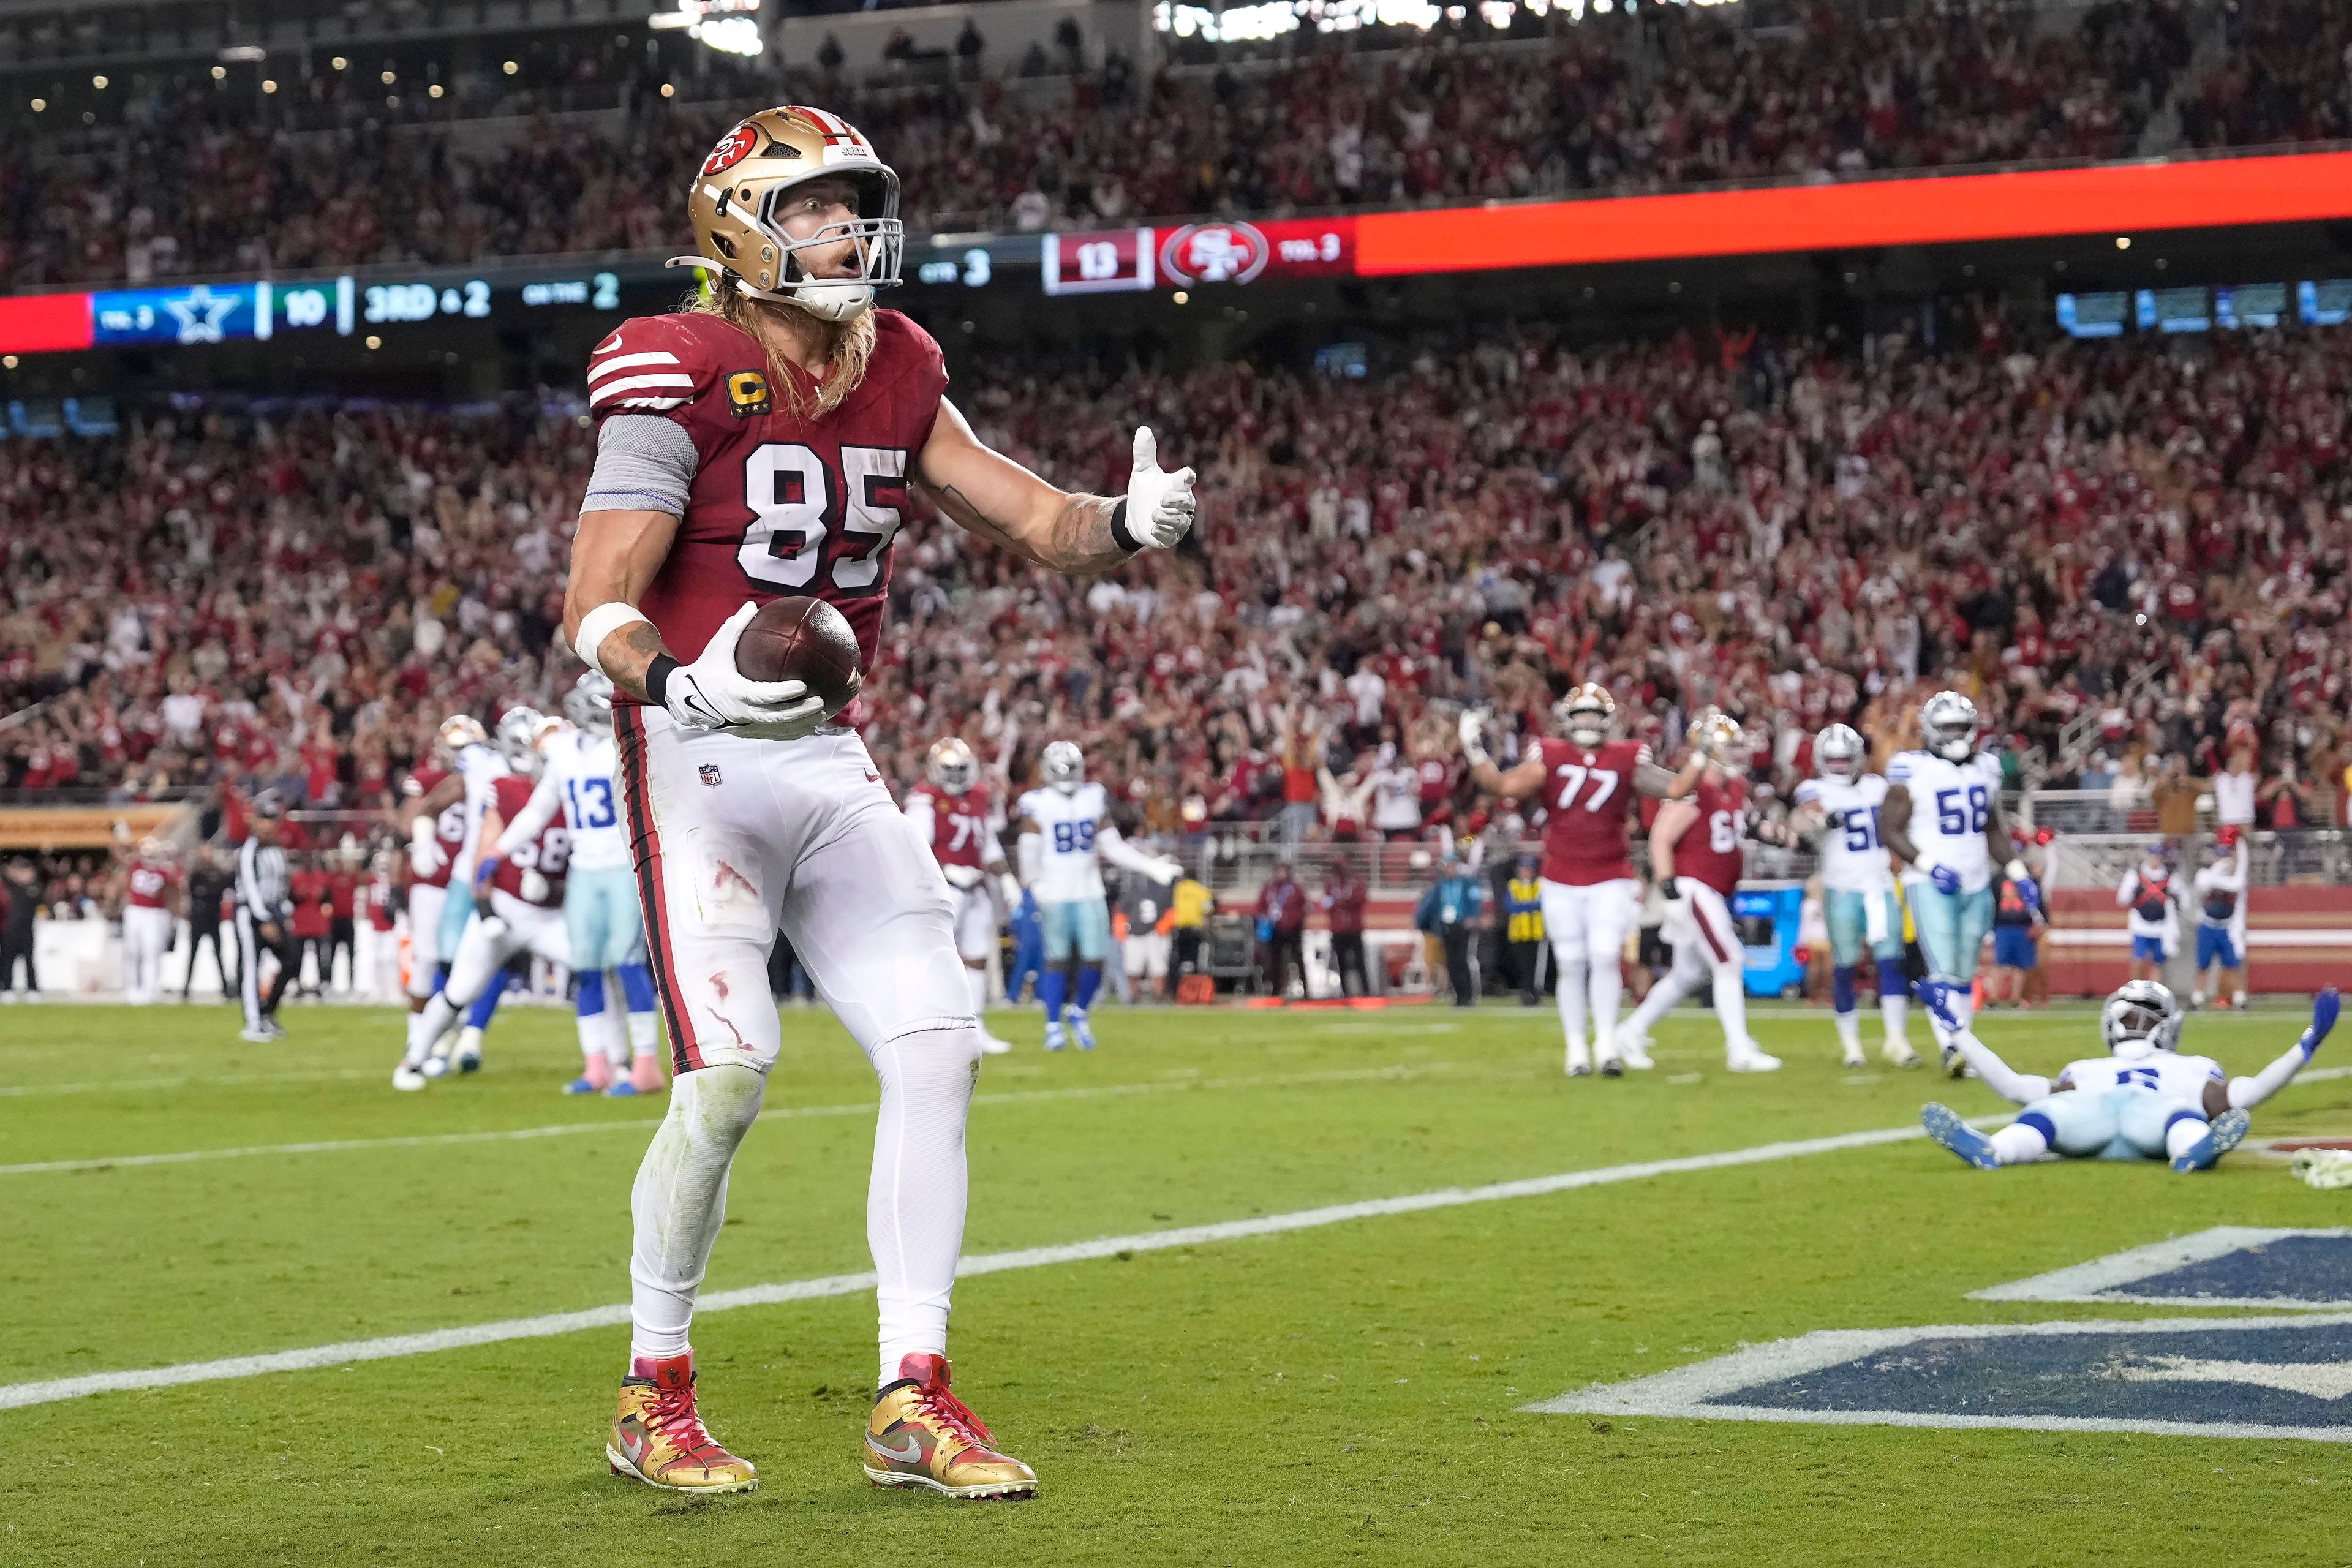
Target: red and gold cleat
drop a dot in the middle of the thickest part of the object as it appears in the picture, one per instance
(657, 1436)
(922, 1436)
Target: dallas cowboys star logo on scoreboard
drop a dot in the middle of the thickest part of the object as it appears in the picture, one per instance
(201, 314)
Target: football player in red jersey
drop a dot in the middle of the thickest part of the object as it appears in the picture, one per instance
(150, 898)
(1587, 780)
(769, 442)
(1696, 854)
(949, 812)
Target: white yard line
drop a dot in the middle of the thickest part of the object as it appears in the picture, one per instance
(564, 1129)
(14, 1090)
(618, 1315)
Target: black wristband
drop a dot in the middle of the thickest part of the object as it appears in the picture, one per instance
(1119, 533)
(658, 678)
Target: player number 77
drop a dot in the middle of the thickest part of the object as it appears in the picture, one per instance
(1604, 781)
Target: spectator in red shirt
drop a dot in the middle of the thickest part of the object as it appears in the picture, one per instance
(1282, 930)
(1342, 900)
(310, 890)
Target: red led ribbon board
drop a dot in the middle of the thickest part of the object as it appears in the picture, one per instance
(38, 323)
(2120, 199)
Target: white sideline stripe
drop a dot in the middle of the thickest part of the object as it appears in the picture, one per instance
(17, 1395)
(563, 1128)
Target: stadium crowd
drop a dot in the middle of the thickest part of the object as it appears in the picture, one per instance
(202, 180)
(292, 598)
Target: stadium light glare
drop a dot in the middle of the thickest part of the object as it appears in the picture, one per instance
(433, 91)
(388, 78)
(40, 105)
(270, 87)
(99, 82)
(729, 35)
(2123, 242)
(340, 63)
(220, 73)
(512, 69)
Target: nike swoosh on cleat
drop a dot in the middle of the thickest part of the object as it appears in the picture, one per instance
(633, 1444)
(911, 1454)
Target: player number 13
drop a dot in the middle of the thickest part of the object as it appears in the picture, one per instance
(799, 507)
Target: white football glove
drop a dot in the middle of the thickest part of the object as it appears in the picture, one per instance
(1474, 736)
(1008, 886)
(1164, 870)
(712, 694)
(425, 855)
(535, 887)
(1159, 504)
(962, 878)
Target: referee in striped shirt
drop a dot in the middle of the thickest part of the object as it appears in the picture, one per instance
(262, 907)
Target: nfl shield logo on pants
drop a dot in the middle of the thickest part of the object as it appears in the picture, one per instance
(710, 775)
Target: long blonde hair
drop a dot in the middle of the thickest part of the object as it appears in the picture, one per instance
(848, 348)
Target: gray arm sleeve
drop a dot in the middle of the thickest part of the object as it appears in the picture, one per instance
(643, 463)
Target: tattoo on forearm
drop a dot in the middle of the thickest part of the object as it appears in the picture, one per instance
(1081, 539)
(640, 646)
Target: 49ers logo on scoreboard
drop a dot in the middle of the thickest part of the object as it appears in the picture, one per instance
(1214, 253)
(732, 149)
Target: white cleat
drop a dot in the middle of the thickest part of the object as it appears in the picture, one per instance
(1855, 1058)
(407, 1078)
(1751, 1060)
(1636, 1055)
(435, 1067)
(990, 1046)
(256, 1037)
(1898, 1053)
(1579, 1062)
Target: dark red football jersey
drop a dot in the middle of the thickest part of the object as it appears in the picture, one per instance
(1709, 850)
(548, 856)
(959, 825)
(150, 885)
(1586, 795)
(448, 828)
(779, 504)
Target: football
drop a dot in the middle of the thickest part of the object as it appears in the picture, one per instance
(802, 639)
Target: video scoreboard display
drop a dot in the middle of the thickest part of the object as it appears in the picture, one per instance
(2234, 307)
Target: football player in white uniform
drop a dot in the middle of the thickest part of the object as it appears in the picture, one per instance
(949, 814)
(1066, 834)
(1842, 802)
(476, 765)
(577, 762)
(2142, 1101)
(1946, 824)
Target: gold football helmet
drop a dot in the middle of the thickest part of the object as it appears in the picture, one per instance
(952, 765)
(1718, 736)
(737, 203)
(1587, 714)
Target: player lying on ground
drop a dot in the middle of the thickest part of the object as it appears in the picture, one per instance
(770, 443)
(2142, 1101)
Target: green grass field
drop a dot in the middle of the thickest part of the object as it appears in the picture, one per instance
(1343, 1394)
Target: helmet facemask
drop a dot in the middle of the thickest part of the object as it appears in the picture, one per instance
(1065, 766)
(741, 203)
(953, 769)
(1837, 754)
(2139, 1019)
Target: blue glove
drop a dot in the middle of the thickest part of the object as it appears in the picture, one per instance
(2324, 1008)
(1947, 880)
(483, 873)
(1935, 997)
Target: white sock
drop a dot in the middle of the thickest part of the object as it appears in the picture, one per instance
(1607, 990)
(1731, 1007)
(1896, 1010)
(2182, 1136)
(1963, 1004)
(645, 1034)
(426, 1028)
(2017, 1143)
(1570, 992)
(615, 1040)
(592, 1027)
(680, 1200)
(2196, 998)
(2239, 1000)
(915, 1202)
(470, 1041)
(1660, 1002)
(1849, 1031)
